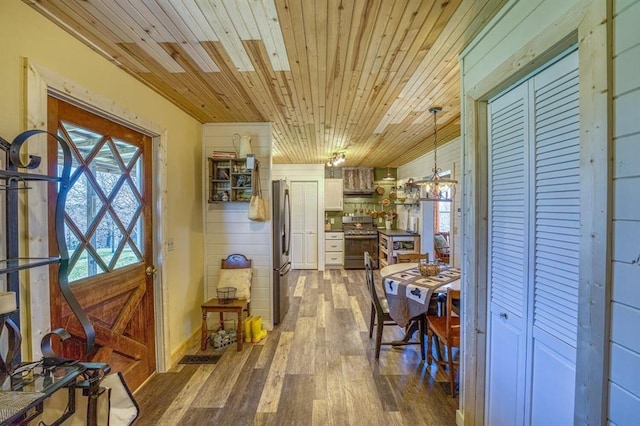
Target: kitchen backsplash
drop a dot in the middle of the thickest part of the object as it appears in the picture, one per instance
(363, 205)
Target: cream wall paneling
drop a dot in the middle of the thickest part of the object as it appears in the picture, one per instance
(449, 159)
(227, 228)
(306, 173)
(304, 224)
(624, 382)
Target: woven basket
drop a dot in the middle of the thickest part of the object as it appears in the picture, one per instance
(226, 294)
(429, 269)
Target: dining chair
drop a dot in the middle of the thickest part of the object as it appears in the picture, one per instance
(412, 257)
(441, 246)
(447, 330)
(380, 314)
(235, 271)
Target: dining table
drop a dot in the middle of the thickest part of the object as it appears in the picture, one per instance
(409, 293)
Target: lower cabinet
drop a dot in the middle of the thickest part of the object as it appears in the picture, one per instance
(333, 249)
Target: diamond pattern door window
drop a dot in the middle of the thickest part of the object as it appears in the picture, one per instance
(102, 216)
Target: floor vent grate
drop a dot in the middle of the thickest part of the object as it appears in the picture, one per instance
(199, 359)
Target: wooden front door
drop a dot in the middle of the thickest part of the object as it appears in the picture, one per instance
(108, 232)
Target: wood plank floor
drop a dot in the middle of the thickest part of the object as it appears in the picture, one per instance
(316, 368)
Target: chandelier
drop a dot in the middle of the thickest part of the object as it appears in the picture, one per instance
(436, 187)
(336, 159)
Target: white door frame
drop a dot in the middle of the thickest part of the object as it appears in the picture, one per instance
(589, 26)
(40, 83)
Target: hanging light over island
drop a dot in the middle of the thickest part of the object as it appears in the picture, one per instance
(436, 187)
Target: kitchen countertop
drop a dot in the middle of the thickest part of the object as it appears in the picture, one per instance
(334, 230)
(396, 233)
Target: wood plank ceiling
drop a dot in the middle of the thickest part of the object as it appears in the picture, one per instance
(353, 76)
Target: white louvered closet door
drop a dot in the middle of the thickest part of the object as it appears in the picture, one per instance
(533, 249)
(508, 254)
(556, 234)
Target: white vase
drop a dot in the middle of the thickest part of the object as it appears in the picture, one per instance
(388, 223)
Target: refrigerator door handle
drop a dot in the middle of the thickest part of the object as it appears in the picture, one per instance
(287, 202)
(285, 270)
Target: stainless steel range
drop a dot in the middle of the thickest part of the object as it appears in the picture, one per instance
(360, 235)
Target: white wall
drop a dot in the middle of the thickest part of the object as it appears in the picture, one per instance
(449, 157)
(308, 173)
(227, 228)
(624, 384)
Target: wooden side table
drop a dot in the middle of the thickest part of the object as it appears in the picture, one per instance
(214, 305)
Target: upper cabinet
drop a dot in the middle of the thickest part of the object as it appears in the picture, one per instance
(358, 180)
(333, 194)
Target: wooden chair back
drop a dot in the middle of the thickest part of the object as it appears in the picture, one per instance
(371, 285)
(382, 314)
(412, 257)
(453, 329)
(448, 332)
(235, 261)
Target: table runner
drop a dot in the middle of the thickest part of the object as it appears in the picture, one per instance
(409, 293)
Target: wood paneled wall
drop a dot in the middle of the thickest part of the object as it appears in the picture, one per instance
(226, 226)
(624, 381)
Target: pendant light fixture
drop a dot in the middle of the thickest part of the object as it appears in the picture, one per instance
(436, 187)
(389, 177)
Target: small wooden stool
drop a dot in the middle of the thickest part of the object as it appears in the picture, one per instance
(214, 305)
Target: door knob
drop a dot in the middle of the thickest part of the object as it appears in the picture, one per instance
(150, 270)
(504, 315)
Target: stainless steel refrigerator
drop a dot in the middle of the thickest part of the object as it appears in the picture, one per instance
(281, 220)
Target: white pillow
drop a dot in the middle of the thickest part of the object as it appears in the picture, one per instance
(238, 278)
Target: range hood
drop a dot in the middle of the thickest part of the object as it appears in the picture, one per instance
(358, 181)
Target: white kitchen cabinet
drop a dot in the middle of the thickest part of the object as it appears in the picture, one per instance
(333, 249)
(333, 195)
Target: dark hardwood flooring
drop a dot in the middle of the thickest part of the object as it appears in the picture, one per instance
(316, 368)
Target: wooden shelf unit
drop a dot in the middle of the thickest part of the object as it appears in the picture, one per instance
(389, 246)
(230, 180)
